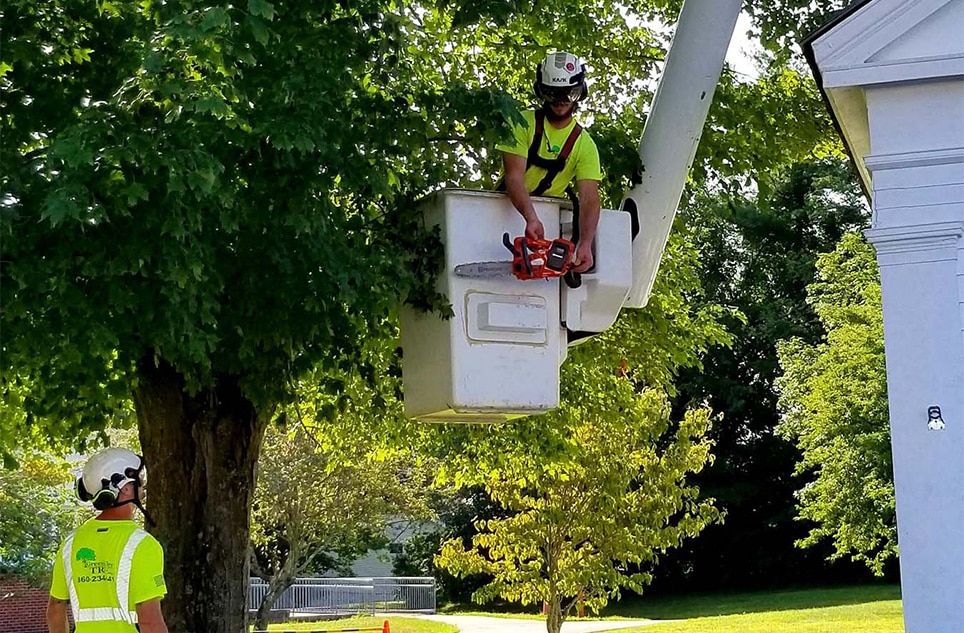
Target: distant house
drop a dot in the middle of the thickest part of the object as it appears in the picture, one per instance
(378, 563)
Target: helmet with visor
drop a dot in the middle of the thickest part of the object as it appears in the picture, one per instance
(561, 77)
(106, 474)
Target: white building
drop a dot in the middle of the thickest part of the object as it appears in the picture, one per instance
(892, 72)
(380, 563)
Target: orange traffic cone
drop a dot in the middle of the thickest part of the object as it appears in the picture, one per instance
(385, 627)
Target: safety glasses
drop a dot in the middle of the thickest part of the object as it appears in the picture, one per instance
(557, 94)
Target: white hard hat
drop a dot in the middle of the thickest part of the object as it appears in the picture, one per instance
(561, 77)
(107, 472)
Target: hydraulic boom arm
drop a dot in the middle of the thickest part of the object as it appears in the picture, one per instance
(672, 132)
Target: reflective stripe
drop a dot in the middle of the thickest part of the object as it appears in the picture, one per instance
(68, 556)
(122, 583)
(123, 577)
(105, 614)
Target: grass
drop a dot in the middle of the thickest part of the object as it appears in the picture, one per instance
(396, 624)
(870, 617)
(699, 606)
(861, 609)
(864, 609)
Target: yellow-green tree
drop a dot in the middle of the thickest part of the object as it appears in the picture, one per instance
(37, 509)
(318, 506)
(593, 520)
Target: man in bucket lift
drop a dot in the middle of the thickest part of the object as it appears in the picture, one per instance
(551, 150)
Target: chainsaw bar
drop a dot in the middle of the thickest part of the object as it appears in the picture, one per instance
(484, 270)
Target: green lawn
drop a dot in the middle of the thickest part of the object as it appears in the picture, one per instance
(868, 609)
(396, 624)
(702, 605)
(862, 609)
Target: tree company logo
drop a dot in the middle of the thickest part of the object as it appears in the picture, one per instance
(93, 570)
(86, 554)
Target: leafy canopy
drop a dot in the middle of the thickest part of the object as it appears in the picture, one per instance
(316, 510)
(606, 505)
(834, 398)
(215, 187)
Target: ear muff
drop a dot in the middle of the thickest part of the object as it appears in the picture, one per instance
(82, 493)
(104, 499)
(583, 83)
(107, 495)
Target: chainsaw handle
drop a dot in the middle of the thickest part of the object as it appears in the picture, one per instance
(523, 244)
(508, 244)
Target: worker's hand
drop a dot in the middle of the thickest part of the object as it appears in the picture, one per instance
(534, 229)
(583, 261)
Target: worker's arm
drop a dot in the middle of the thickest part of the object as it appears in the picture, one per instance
(515, 186)
(57, 616)
(588, 220)
(149, 617)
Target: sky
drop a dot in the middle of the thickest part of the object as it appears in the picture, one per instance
(740, 54)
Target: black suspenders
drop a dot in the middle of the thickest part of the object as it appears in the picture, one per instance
(553, 166)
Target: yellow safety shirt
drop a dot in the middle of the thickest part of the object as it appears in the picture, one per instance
(582, 164)
(105, 569)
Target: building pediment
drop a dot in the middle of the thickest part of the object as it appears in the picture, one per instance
(886, 41)
(883, 43)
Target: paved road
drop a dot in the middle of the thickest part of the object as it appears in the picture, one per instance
(482, 624)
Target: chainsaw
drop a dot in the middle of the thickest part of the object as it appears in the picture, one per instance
(531, 259)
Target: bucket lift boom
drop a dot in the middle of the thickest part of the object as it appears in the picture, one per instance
(672, 132)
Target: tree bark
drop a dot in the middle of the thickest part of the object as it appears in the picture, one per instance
(201, 452)
(555, 617)
(276, 587)
(277, 584)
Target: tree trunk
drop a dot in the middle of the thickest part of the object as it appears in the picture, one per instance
(276, 586)
(201, 452)
(554, 618)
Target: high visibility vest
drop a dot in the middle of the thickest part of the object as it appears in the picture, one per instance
(122, 583)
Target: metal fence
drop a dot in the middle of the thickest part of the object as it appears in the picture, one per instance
(345, 596)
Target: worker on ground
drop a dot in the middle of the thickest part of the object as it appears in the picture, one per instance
(109, 573)
(551, 150)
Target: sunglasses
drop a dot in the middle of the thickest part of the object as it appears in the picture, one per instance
(557, 94)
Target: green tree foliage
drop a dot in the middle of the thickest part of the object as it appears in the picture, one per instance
(316, 510)
(758, 255)
(782, 24)
(834, 398)
(758, 129)
(37, 509)
(611, 500)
